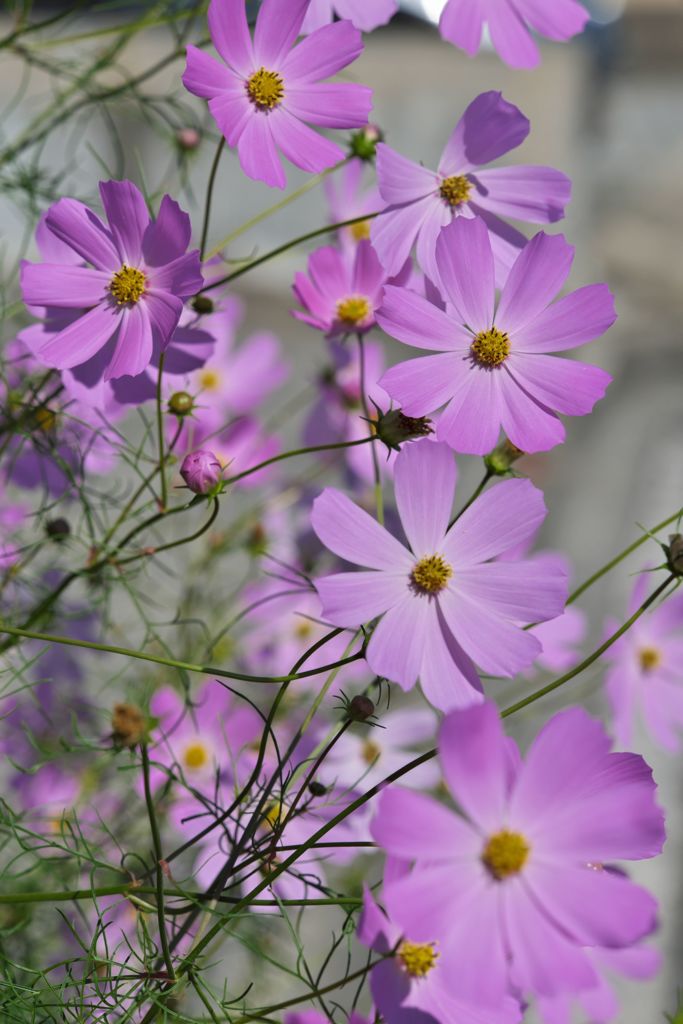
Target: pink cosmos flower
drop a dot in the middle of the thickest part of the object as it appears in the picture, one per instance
(134, 289)
(415, 986)
(315, 1017)
(366, 15)
(239, 444)
(269, 90)
(421, 202)
(515, 888)
(347, 199)
(493, 367)
(444, 604)
(343, 289)
(509, 23)
(645, 676)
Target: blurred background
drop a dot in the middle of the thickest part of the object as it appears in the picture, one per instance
(607, 109)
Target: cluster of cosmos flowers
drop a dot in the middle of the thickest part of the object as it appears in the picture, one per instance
(505, 877)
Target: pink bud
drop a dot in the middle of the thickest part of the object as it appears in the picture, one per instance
(201, 471)
(188, 138)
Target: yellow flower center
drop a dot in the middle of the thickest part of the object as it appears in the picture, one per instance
(491, 348)
(196, 755)
(303, 629)
(455, 190)
(649, 658)
(275, 814)
(371, 752)
(352, 310)
(360, 230)
(127, 284)
(417, 958)
(431, 574)
(265, 89)
(210, 380)
(505, 854)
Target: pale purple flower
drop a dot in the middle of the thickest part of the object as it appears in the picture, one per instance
(415, 985)
(264, 93)
(366, 15)
(645, 677)
(516, 885)
(201, 471)
(133, 289)
(315, 1017)
(443, 604)
(510, 24)
(421, 202)
(493, 369)
(347, 199)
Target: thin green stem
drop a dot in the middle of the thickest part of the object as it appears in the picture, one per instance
(158, 857)
(379, 499)
(209, 197)
(295, 452)
(473, 497)
(160, 432)
(132, 889)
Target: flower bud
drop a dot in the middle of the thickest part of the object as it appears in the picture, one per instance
(202, 304)
(360, 708)
(187, 139)
(394, 427)
(317, 788)
(57, 529)
(501, 458)
(363, 143)
(128, 725)
(202, 472)
(180, 403)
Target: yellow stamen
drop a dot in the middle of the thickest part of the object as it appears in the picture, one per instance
(360, 230)
(371, 752)
(491, 348)
(265, 89)
(210, 380)
(455, 190)
(195, 755)
(353, 309)
(303, 629)
(417, 958)
(505, 854)
(127, 285)
(431, 574)
(649, 658)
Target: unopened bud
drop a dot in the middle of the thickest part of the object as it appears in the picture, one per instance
(202, 304)
(128, 725)
(360, 708)
(180, 403)
(317, 788)
(394, 427)
(363, 143)
(57, 529)
(675, 554)
(202, 472)
(501, 458)
(188, 139)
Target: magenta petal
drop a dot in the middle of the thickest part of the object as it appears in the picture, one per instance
(465, 261)
(397, 644)
(474, 758)
(367, 16)
(63, 285)
(461, 23)
(133, 350)
(424, 484)
(498, 647)
(507, 515)
(167, 237)
(301, 145)
(258, 155)
(230, 34)
(563, 385)
(559, 20)
(79, 228)
(595, 907)
(539, 272)
(352, 598)
(355, 536)
(427, 903)
(324, 53)
(489, 128)
(401, 180)
(536, 194)
(81, 339)
(414, 320)
(180, 277)
(571, 321)
(394, 232)
(470, 422)
(422, 385)
(529, 424)
(277, 26)
(330, 104)
(207, 77)
(164, 312)
(523, 591)
(448, 678)
(511, 38)
(415, 827)
(128, 217)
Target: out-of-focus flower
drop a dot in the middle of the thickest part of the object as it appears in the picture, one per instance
(493, 368)
(443, 604)
(366, 15)
(134, 288)
(510, 24)
(421, 202)
(347, 200)
(516, 888)
(264, 93)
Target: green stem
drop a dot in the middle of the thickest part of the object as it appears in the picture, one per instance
(209, 196)
(131, 889)
(160, 431)
(473, 497)
(284, 248)
(158, 857)
(298, 451)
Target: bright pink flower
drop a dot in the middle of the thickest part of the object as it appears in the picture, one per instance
(443, 603)
(516, 888)
(270, 88)
(645, 676)
(421, 202)
(493, 368)
(366, 15)
(509, 23)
